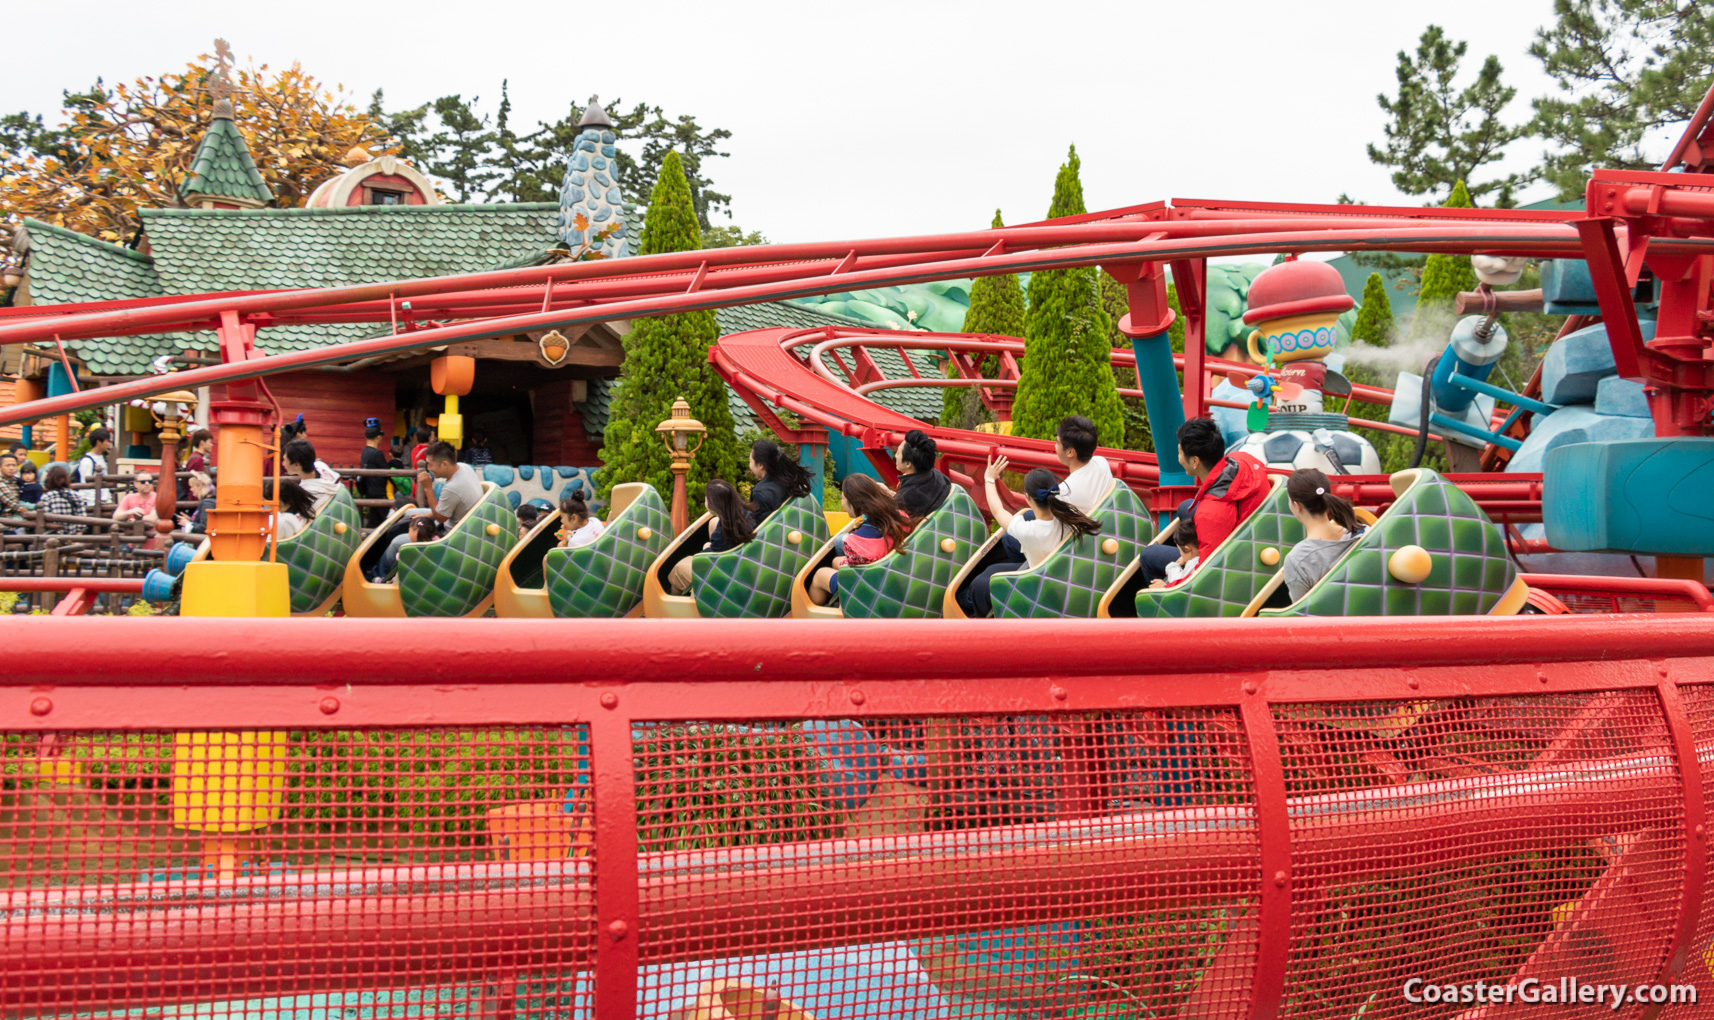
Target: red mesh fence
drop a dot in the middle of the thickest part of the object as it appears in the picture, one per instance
(804, 850)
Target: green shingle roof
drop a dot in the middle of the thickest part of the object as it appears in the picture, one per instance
(222, 167)
(199, 250)
(66, 266)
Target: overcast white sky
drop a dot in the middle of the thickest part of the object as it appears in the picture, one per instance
(865, 119)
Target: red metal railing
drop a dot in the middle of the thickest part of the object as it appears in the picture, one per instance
(1209, 818)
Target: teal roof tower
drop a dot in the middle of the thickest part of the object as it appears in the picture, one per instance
(223, 173)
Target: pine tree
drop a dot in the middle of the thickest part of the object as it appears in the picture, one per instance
(1438, 133)
(1067, 363)
(1443, 277)
(1375, 316)
(996, 307)
(666, 358)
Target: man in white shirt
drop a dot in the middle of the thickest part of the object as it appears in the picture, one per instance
(91, 465)
(1090, 478)
(1086, 485)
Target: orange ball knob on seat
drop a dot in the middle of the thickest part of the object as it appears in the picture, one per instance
(1410, 564)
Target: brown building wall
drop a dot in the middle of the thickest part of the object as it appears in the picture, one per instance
(334, 405)
(559, 438)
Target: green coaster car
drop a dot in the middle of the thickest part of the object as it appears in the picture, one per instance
(605, 578)
(750, 580)
(900, 587)
(451, 577)
(1432, 553)
(1072, 580)
(315, 557)
(1227, 577)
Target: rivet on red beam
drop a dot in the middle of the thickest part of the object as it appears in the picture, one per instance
(609, 699)
(857, 698)
(329, 705)
(41, 706)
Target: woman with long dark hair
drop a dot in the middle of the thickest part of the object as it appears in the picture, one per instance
(778, 478)
(297, 506)
(882, 531)
(1330, 528)
(733, 526)
(1054, 519)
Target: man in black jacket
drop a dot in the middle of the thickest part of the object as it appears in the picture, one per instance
(922, 489)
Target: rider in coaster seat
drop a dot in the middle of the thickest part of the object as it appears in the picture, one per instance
(1229, 488)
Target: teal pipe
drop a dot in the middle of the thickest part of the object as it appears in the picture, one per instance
(1446, 424)
(1162, 402)
(1502, 394)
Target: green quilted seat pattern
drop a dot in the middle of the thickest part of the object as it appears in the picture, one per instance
(451, 577)
(1226, 582)
(755, 579)
(913, 586)
(1471, 569)
(605, 578)
(315, 557)
(1072, 580)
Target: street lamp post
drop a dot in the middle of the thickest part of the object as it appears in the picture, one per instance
(678, 432)
(168, 410)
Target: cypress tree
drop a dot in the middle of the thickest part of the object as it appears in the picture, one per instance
(1375, 316)
(1068, 363)
(665, 358)
(997, 307)
(1443, 277)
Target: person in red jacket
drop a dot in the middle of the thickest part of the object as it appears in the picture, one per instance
(1229, 488)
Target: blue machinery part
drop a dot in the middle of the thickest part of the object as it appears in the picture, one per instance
(1471, 353)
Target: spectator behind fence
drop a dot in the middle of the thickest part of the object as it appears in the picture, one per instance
(735, 524)
(419, 452)
(29, 482)
(90, 467)
(202, 491)
(373, 486)
(578, 526)
(321, 485)
(478, 452)
(11, 503)
(140, 504)
(57, 498)
(201, 447)
(297, 509)
(460, 491)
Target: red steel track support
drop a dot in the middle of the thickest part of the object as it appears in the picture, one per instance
(1273, 828)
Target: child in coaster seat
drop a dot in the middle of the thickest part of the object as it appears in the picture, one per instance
(1330, 529)
(579, 527)
(1188, 554)
(882, 530)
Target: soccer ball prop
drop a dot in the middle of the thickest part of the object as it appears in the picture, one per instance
(1294, 448)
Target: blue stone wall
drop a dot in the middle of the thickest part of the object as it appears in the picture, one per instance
(591, 190)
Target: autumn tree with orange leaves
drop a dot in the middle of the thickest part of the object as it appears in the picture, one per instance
(129, 146)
